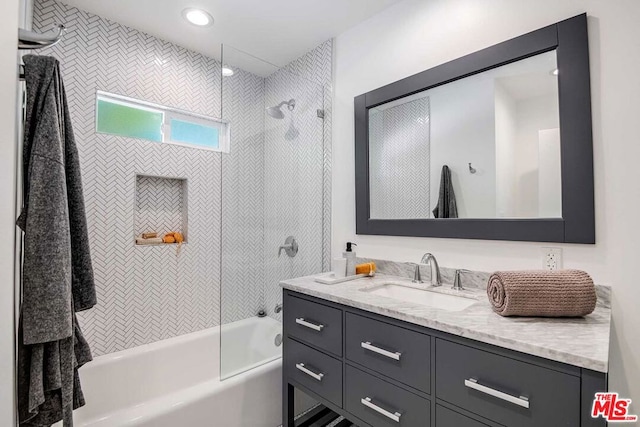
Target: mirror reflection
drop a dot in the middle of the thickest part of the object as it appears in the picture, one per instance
(486, 146)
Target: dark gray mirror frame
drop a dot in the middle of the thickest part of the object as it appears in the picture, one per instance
(577, 225)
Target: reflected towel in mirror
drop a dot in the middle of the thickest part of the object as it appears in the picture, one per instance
(446, 207)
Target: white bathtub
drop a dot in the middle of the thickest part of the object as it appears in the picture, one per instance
(176, 382)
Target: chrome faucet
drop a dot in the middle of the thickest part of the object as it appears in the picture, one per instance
(429, 259)
(416, 274)
(457, 281)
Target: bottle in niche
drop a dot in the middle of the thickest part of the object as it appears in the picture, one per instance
(350, 256)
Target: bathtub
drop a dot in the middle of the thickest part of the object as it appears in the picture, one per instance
(176, 382)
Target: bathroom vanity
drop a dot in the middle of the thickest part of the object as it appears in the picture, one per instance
(386, 352)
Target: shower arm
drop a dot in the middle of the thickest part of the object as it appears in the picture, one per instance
(290, 104)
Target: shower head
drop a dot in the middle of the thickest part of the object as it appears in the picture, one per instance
(276, 111)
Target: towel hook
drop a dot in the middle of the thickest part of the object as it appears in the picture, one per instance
(472, 169)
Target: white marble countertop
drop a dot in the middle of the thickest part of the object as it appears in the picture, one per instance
(582, 342)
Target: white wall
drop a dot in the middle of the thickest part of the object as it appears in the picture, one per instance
(8, 144)
(549, 173)
(533, 114)
(506, 125)
(521, 154)
(416, 35)
(463, 132)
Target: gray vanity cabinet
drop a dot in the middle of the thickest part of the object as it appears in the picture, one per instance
(314, 323)
(316, 371)
(537, 396)
(447, 417)
(380, 403)
(396, 353)
(381, 372)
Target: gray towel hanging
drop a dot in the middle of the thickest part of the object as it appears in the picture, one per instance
(57, 277)
(446, 207)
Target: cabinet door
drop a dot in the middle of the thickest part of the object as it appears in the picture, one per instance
(396, 352)
(314, 323)
(447, 418)
(382, 404)
(505, 390)
(318, 372)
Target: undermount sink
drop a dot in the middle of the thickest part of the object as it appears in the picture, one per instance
(421, 296)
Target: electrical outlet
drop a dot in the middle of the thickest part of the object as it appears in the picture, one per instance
(551, 258)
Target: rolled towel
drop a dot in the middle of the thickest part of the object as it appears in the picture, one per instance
(368, 268)
(151, 241)
(562, 293)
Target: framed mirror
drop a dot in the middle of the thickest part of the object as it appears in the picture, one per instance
(494, 145)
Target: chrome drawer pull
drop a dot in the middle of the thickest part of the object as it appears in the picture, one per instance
(395, 416)
(301, 367)
(301, 321)
(367, 345)
(520, 401)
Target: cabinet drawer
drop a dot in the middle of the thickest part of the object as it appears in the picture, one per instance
(499, 388)
(382, 404)
(393, 351)
(445, 417)
(314, 323)
(318, 372)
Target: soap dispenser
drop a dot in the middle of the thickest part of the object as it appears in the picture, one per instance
(350, 256)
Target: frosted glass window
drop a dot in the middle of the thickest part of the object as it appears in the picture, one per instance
(188, 132)
(118, 118)
(134, 118)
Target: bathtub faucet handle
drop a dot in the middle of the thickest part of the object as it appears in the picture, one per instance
(278, 308)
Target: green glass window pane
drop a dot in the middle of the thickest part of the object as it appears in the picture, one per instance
(194, 134)
(124, 120)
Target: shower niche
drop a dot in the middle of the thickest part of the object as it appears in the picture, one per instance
(161, 207)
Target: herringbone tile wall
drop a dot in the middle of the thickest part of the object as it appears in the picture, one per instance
(242, 199)
(152, 293)
(160, 205)
(295, 190)
(400, 154)
(145, 293)
(298, 171)
(317, 66)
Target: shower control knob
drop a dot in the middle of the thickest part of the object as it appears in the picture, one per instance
(290, 247)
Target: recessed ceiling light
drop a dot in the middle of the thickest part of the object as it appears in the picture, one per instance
(227, 72)
(198, 17)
